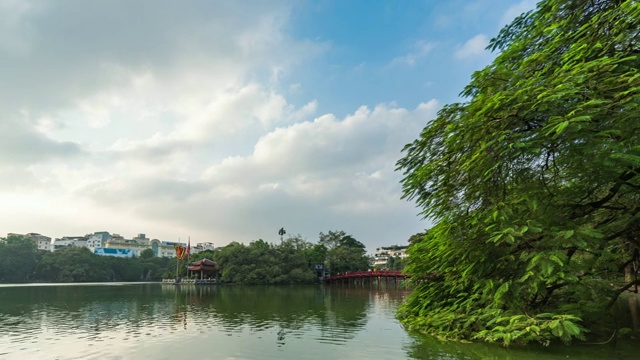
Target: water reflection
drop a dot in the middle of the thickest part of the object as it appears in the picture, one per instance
(235, 322)
(424, 347)
(337, 313)
(98, 321)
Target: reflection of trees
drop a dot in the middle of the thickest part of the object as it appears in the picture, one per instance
(338, 313)
(346, 311)
(426, 347)
(93, 310)
(79, 308)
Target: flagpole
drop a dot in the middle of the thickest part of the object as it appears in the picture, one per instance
(177, 262)
(188, 250)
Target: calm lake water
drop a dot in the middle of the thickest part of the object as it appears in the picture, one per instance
(154, 321)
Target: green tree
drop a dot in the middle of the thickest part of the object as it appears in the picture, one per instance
(264, 263)
(17, 259)
(316, 254)
(294, 263)
(147, 254)
(76, 264)
(344, 253)
(533, 182)
(396, 263)
(154, 268)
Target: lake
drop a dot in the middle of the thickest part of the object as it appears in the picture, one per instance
(155, 321)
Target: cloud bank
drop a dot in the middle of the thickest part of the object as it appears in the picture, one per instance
(180, 120)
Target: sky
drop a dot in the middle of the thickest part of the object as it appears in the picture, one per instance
(225, 121)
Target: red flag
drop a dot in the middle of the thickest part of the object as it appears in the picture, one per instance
(180, 250)
(189, 249)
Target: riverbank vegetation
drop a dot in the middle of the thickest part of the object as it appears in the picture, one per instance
(293, 261)
(21, 261)
(533, 183)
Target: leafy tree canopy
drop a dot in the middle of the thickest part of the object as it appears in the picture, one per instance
(533, 182)
(17, 258)
(344, 253)
(146, 254)
(333, 239)
(264, 263)
(21, 261)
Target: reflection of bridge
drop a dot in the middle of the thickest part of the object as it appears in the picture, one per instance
(368, 278)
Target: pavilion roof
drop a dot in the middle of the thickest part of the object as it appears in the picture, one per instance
(203, 265)
(204, 262)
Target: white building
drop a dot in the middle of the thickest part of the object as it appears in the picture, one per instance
(165, 248)
(140, 243)
(41, 241)
(206, 246)
(382, 255)
(106, 244)
(115, 252)
(69, 241)
(97, 240)
(137, 244)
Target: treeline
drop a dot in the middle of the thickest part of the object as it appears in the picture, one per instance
(21, 261)
(293, 261)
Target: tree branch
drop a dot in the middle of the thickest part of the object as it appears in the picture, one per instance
(617, 293)
(613, 191)
(634, 257)
(550, 291)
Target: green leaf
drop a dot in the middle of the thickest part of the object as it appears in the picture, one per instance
(556, 260)
(571, 328)
(560, 128)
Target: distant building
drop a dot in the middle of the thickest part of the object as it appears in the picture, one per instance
(382, 255)
(106, 244)
(98, 239)
(69, 241)
(207, 246)
(115, 252)
(42, 242)
(164, 248)
(142, 242)
(117, 237)
(137, 244)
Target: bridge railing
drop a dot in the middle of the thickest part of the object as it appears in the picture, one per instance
(361, 274)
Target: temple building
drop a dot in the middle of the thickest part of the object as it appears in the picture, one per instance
(204, 269)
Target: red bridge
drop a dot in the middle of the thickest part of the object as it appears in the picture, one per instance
(368, 277)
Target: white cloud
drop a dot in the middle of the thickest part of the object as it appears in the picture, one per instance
(312, 175)
(473, 48)
(419, 50)
(178, 124)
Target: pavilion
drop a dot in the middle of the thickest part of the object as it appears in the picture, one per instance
(208, 269)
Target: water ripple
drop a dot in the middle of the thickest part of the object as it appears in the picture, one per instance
(129, 322)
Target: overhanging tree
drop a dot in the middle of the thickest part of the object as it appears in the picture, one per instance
(533, 183)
